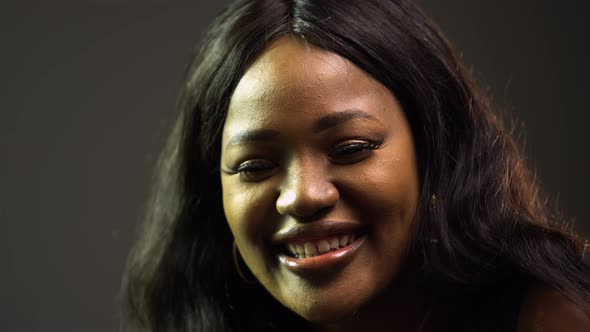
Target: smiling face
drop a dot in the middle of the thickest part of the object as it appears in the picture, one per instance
(319, 179)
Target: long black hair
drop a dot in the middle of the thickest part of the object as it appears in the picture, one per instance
(481, 218)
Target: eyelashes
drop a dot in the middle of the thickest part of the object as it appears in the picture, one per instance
(347, 153)
(352, 152)
(252, 170)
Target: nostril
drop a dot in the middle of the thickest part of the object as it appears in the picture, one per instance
(306, 195)
(304, 209)
(311, 216)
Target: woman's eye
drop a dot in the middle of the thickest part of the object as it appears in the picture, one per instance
(353, 152)
(253, 170)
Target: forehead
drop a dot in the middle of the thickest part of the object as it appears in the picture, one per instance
(295, 80)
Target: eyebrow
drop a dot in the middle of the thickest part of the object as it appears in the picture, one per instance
(252, 136)
(324, 123)
(336, 119)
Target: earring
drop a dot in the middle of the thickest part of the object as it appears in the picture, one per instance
(433, 202)
(237, 265)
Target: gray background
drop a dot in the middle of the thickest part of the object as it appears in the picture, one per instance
(88, 89)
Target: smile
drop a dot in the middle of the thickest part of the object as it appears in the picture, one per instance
(319, 246)
(314, 260)
(308, 249)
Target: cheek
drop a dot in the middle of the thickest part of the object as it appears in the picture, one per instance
(390, 186)
(248, 208)
(401, 177)
(386, 197)
(250, 212)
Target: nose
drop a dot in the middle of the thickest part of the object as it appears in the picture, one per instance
(307, 191)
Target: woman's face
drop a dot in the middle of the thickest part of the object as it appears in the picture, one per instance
(319, 179)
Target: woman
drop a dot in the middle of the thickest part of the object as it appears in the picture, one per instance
(334, 167)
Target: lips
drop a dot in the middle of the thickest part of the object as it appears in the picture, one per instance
(316, 247)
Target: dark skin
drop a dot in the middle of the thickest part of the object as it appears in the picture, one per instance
(311, 139)
(314, 148)
(410, 311)
(545, 309)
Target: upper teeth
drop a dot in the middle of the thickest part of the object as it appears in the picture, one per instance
(315, 248)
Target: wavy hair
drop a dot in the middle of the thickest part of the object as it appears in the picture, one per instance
(482, 223)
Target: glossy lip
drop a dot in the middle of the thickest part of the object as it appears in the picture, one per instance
(324, 262)
(313, 231)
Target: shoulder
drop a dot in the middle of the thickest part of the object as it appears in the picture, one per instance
(545, 309)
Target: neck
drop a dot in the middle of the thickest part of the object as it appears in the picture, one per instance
(403, 306)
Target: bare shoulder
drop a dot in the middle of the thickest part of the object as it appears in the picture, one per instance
(545, 309)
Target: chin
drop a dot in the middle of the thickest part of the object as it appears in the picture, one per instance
(326, 314)
(330, 309)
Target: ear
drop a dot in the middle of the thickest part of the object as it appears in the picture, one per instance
(546, 309)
